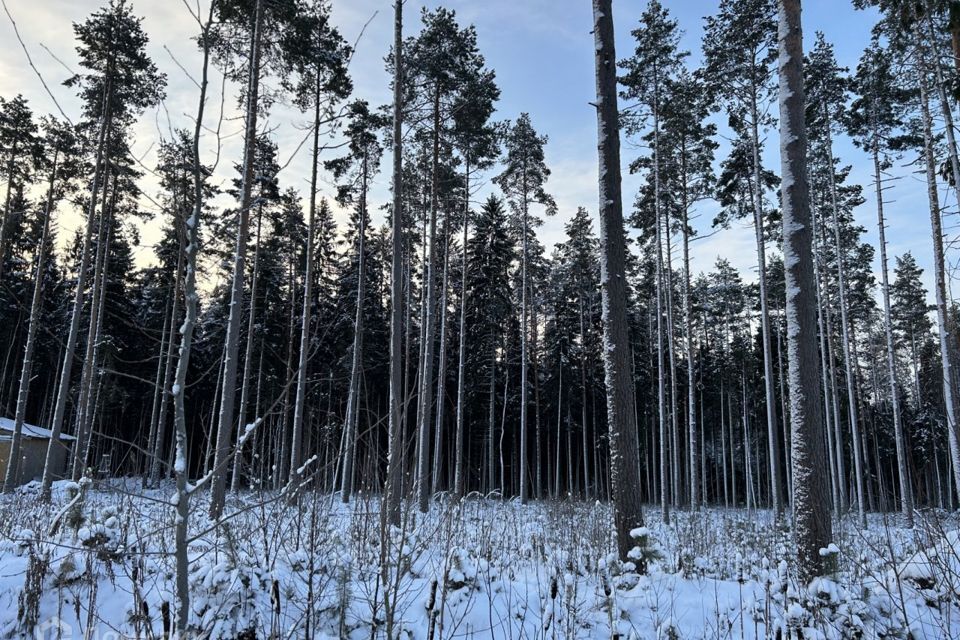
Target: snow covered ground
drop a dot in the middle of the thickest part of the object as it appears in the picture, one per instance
(481, 568)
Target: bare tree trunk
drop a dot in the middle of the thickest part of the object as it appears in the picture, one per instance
(906, 491)
(944, 321)
(391, 509)
(228, 393)
(300, 401)
(675, 471)
(441, 363)
(88, 378)
(811, 500)
(66, 368)
(696, 490)
(491, 417)
(247, 358)
(535, 335)
(524, 356)
(353, 397)
(621, 413)
(661, 385)
(773, 449)
(157, 392)
(459, 478)
(181, 466)
(173, 327)
(848, 350)
(584, 391)
(426, 363)
(834, 449)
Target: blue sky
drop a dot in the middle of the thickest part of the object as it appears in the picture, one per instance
(542, 51)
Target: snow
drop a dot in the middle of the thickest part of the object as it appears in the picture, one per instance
(29, 430)
(480, 568)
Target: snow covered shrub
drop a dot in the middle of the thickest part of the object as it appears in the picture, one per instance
(225, 598)
(831, 559)
(101, 533)
(75, 493)
(463, 570)
(646, 549)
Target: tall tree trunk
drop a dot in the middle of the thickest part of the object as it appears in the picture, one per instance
(696, 494)
(181, 466)
(459, 478)
(621, 412)
(426, 363)
(299, 405)
(584, 392)
(834, 449)
(773, 449)
(66, 368)
(88, 378)
(847, 335)
(661, 384)
(157, 392)
(356, 364)
(811, 500)
(945, 322)
(675, 470)
(228, 392)
(538, 470)
(441, 362)
(491, 416)
(173, 328)
(906, 491)
(247, 359)
(524, 356)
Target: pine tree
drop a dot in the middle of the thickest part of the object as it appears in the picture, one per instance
(739, 51)
(323, 82)
(442, 65)
(478, 142)
(266, 28)
(874, 123)
(826, 93)
(119, 81)
(656, 61)
(689, 179)
(909, 312)
(577, 315)
(523, 181)
(356, 171)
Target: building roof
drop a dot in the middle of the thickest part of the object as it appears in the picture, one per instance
(29, 431)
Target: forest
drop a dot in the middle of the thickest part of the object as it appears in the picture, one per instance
(375, 403)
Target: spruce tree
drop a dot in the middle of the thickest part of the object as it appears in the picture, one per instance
(22, 152)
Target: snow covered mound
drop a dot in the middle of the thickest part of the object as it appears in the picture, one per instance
(103, 565)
